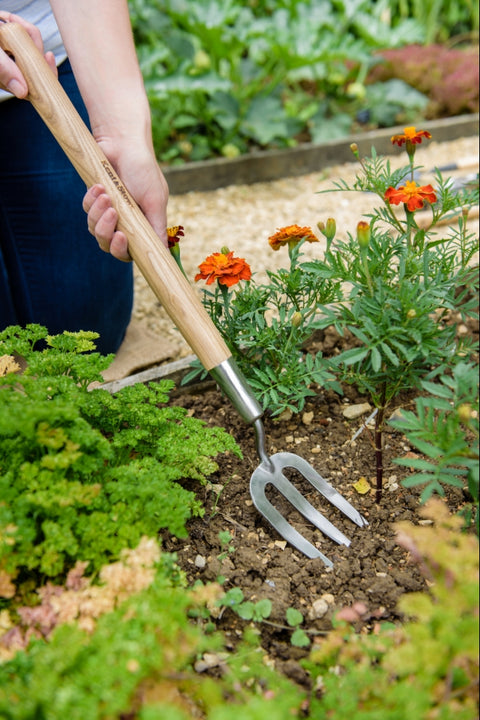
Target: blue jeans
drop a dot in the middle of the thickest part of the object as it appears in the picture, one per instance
(52, 271)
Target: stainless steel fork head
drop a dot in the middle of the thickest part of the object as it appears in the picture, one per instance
(270, 472)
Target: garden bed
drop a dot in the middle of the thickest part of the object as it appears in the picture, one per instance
(374, 571)
(233, 540)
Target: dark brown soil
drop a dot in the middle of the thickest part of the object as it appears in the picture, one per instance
(373, 570)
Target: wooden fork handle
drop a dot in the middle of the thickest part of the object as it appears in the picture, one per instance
(151, 256)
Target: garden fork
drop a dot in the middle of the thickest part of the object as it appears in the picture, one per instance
(177, 297)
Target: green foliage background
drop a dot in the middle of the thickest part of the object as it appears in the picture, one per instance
(225, 76)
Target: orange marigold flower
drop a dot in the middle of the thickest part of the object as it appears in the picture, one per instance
(225, 268)
(412, 195)
(291, 235)
(174, 234)
(410, 135)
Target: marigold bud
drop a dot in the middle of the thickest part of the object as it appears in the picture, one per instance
(465, 211)
(363, 234)
(328, 229)
(354, 149)
(224, 250)
(411, 313)
(297, 319)
(465, 413)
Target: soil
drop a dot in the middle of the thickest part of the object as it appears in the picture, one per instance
(373, 571)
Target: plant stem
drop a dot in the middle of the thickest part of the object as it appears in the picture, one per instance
(175, 251)
(410, 220)
(226, 297)
(463, 235)
(367, 270)
(411, 156)
(226, 308)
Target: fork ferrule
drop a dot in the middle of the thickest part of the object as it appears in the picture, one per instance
(231, 380)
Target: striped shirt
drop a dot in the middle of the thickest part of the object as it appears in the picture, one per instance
(39, 13)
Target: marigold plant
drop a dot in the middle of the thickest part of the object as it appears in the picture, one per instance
(405, 279)
(392, 285)
(266, 325)
(174, 235)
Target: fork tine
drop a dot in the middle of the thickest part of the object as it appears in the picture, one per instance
(260, 480)
(286, 459)
(281, 525)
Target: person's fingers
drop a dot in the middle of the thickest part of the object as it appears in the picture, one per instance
(104, 227)
(32, 30)
(11, 78)
(119, 247)
(102, 222)
(150, 188)
(109, 239)
(91, 195)
(50, 58)
(97, 210)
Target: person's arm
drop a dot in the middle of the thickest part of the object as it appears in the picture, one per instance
(99, 42)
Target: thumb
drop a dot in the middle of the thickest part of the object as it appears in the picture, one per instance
(154, 207)
(158, 220)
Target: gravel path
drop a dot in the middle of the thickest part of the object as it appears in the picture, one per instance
(242, 217)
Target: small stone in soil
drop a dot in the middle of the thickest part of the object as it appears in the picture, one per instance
(319, 609)
(351, 412)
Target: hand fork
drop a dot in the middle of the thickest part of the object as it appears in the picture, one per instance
(176, 295)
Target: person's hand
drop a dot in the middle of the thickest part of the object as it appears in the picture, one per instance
(11, 78)
(144, 180)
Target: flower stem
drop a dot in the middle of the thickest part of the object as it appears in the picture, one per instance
(226, 306)
(412, 167)
(175, 251)
(225, 297)
(292, 255)
(410, 222)
(366, 270)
